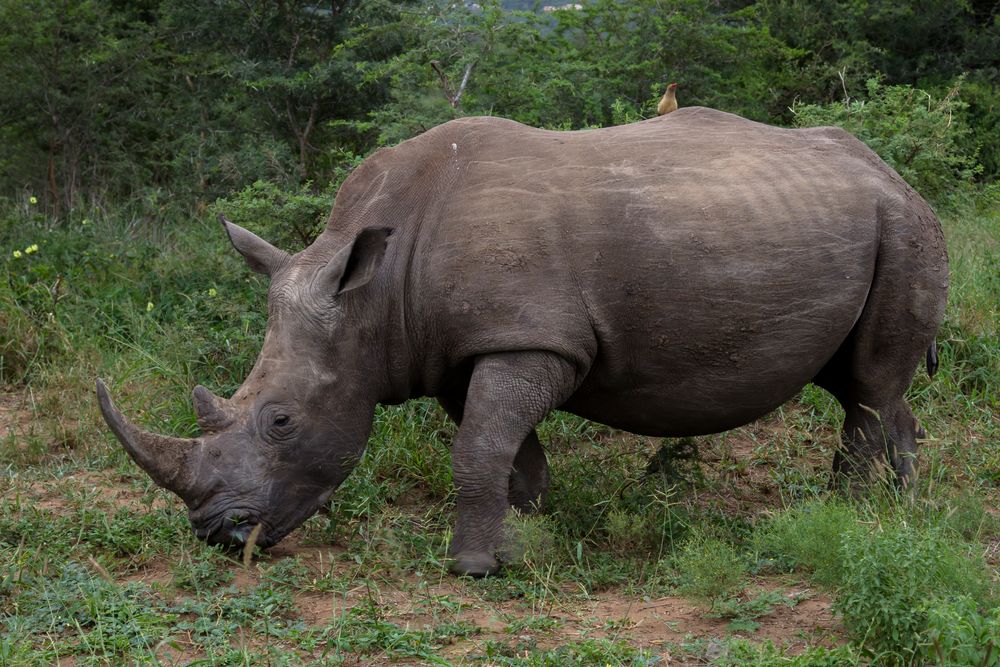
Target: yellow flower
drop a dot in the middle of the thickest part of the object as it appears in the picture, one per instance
(32, 199)
(17, 253)
(211, 291)
(31, 248)
(149, 306)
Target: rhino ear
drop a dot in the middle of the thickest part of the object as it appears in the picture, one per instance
(260, 255)
(356, 264)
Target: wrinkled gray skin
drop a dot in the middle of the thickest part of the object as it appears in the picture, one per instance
(679, 276)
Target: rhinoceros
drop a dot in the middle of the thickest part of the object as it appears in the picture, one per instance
(678, 276)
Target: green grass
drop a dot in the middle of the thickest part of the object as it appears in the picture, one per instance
(98, 564)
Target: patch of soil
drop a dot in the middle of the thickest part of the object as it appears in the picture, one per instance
(649, 624)
(107, 487)
(157, 572)
(411, 601)
(15, 416)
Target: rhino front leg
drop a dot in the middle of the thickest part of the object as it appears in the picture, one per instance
(529, 479)
(508, 395)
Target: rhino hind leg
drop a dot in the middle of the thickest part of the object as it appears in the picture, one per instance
(869, 376)
(874, 366)
(875, 441)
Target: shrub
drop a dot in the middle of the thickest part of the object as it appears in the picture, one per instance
(921, 138)
(288, 219)
(983, 117)
(959, 635)
(805, 537)
(709, 568)
(891, 579)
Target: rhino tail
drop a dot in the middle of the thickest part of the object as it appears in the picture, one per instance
(932, 359)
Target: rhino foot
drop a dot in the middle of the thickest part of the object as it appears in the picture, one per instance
(476, 564)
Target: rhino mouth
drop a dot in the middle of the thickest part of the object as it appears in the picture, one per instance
(233, 527)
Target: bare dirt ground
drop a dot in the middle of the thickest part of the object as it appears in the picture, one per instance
(14, 415)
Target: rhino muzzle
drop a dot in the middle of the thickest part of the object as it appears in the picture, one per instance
(171, 462)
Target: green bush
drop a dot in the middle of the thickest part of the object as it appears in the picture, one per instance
(710, 568)
(919, 136)
(960, 635)
(893, 576)
(288, 219)
(982, 116)
(806, 537)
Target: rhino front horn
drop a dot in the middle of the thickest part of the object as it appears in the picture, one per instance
(169, 461)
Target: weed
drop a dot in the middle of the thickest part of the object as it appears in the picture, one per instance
(202, 569)
(575, 654)
(361, 631)
(744, 612)
(709, 568)
(520, 624)
(807, 537)
(654, 526)
(529, 540)
(743, 653)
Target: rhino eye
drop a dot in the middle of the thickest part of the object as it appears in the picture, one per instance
(281, 420)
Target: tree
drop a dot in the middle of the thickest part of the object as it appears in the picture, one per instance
(73, 72)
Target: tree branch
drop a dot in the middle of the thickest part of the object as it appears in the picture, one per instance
(454, 99)
(461, 87)
(445, 88)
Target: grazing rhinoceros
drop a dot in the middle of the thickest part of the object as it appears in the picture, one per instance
(678, 276)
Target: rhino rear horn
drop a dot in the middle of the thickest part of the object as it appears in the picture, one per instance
(169, 461)
(213, 412)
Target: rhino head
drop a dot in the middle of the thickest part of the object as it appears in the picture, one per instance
(276, 451)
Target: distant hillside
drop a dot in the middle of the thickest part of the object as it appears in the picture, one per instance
(523, 5)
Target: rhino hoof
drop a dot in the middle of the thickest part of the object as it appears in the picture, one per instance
(476, 564)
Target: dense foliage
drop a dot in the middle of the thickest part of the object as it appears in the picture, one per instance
(168, 105)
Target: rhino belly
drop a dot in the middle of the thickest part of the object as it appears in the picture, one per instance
(662, 410)
(705, 366)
